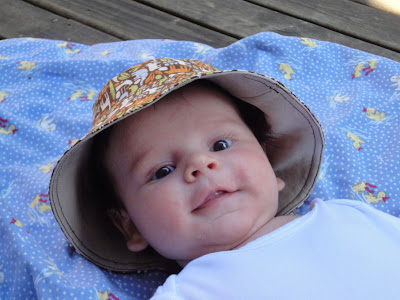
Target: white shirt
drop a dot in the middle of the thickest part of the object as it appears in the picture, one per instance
(341, 249)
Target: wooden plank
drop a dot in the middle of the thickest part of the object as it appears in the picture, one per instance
(21, 19)
(130, 20)
(241, 19)
(391, 6)
(348, 17)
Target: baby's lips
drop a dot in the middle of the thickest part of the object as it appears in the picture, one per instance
(210, 197)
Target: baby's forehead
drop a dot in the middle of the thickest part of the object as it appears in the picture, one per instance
(186, 101)
(183, 99)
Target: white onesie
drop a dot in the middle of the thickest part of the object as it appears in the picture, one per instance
(341, 249)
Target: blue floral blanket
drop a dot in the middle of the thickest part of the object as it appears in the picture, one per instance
(47, 89)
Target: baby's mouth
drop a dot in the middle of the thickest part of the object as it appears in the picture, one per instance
(210, 198)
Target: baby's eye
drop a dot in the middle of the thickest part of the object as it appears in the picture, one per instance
(162, 172)
(220, 145)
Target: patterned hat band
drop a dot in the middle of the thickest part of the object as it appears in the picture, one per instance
(296, 160)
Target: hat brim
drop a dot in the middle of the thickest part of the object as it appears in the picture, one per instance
(297, 161)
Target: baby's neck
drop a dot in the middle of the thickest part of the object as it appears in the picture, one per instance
(272, 225)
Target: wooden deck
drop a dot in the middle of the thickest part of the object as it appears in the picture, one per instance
(217, 23)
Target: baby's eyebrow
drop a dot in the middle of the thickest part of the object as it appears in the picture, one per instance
(138, 160)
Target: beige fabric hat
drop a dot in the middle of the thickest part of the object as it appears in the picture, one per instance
(297, 161)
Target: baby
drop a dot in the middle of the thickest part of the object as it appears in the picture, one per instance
(202, 179)
(195, 181)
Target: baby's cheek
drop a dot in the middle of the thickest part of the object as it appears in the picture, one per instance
(170, 236)
(166, 218)
(247, 165)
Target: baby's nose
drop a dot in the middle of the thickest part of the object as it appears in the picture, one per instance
(199, 164)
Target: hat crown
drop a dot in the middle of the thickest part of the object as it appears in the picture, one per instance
(142, 84)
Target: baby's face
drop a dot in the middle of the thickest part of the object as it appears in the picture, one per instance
(192, 176)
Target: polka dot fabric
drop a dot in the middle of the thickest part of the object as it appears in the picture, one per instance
(47, 89)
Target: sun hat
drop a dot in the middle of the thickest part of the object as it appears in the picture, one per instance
(297, 160)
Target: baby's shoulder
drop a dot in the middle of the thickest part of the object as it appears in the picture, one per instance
(357, 213)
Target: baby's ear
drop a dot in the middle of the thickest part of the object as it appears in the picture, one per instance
(281, 184)
(134, 239)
